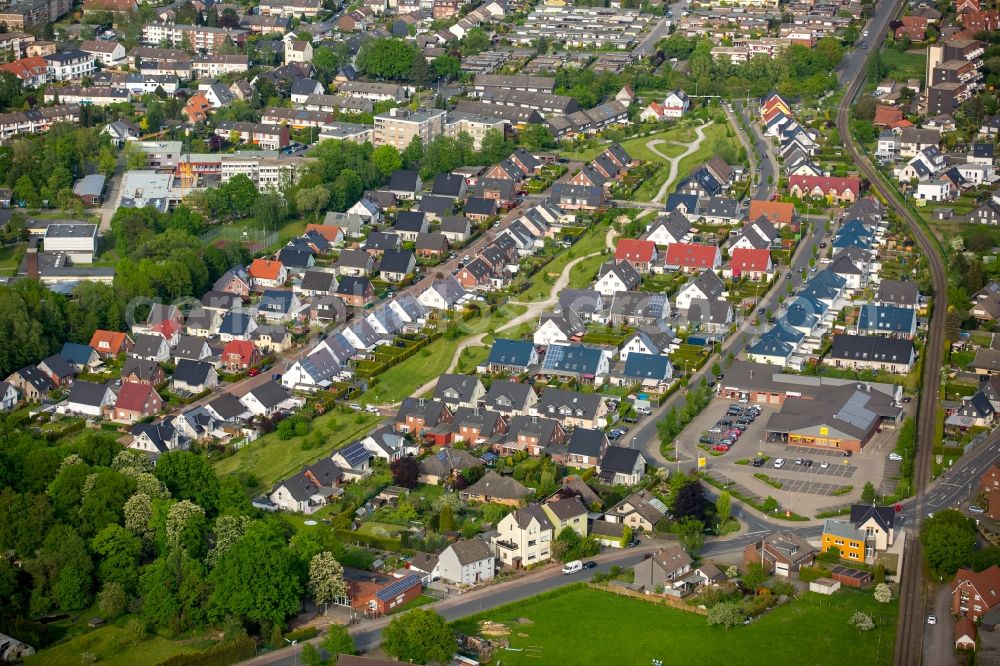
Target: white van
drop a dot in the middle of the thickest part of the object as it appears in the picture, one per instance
(572, 567)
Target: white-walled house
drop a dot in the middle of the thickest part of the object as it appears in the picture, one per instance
(467, 562)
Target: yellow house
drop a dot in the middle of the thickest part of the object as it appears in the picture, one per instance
(567, 513)
(843, 536)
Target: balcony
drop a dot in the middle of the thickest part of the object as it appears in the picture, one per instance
(507, 545)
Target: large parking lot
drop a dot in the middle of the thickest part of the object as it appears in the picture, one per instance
(809, 476)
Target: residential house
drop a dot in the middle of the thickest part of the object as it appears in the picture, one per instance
(109, 344)
(143, 371)
(691, 257)
(415, 415)
(443, 294)
(867, 352)
(973, 594)
(267, 274)
(355, 263)
(459, 390)
(524, 537)
(156, 438)
(88, 399)
(669, 229)
(639, 253)
(781, 553)
(495, 489)
(560, 325)
(150, 347)
(754, 265)
(511, 356)
(572, 408)
(467, 562)
(445, 464)
(586, 448)
(666, 567)
(621, 466)
(355, 291)
(616, 276)
(267, 399)
(193, 377)
(640, 511)
(136, 402)
(707, 286)
(396, 265)
(509, 398)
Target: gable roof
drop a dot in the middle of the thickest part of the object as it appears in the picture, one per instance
(86, 393)
(471, 551)
(776, 212)
(135, 396)
(635, 250)
(500, 487)
(587, 442)
(691, 255)
(511, 352)
(619, 459)
(884, 516)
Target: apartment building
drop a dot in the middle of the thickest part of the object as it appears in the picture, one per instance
(93, 95)
(214, 66)
(268, 137)
(21, 14)
(201, 38)
(36, 121)
(291, 8)
(70, 65)
(474, 125)
(296, 118)
(397, 127)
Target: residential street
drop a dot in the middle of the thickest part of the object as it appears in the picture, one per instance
(939, 639)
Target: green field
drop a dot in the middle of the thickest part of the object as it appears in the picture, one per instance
(600, 628)
(636, 146)
(543, 281)
(902, 66)
(270, 458)
(113, 646)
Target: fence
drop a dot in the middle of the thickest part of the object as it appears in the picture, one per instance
(255, 240)
(649, 598)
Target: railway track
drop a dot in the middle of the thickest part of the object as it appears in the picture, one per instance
(909, 643)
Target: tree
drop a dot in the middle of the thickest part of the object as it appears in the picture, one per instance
(258, 578)
(312, 199)
(536, 137)
(883, 593)
(723, 507)
(475, 41)
(727, 613)
(862, 622)
(337, 642)
(691, 533)
(311, 656)
(119, 552)
(421, 636)
(112, 600)
(446, 66)
(949, 539)
(405, 471)
(189, 476)
(186, 527)
(135, 158)
(387, 58)
(868, 493)
(952, 324)
(446, 520)
(754, 576)
(387, 160)
(690, 500)
(566, 545)
(326, 578)
(420, 71)
(228, 530)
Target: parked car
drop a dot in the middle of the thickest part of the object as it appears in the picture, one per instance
(705, 440)
(895, 457)
(590, 564)
(824, 464)
(572, 567)
(721, 447)
(931, 619)
(779, 463)
(847, 454)
(253, 372)
(807, 463)
(976, 509)
(355, 406)
(371, 409)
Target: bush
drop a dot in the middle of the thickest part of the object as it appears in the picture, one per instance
(303, 634)
(862, 622)
(728, 614)
(223, 654)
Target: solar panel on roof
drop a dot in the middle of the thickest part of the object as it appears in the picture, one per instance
(355, 454)
(397, 587)
(658, 505)
(855, 412)
(554, 356)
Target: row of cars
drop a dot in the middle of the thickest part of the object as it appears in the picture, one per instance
(723, 435)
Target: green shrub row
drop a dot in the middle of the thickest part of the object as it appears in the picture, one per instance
(223, 654)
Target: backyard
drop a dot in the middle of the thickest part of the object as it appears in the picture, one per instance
(903, 65)
(115, 646)
(588, 624)
(270, 458)
(542, 282)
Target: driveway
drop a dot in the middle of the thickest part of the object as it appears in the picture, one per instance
(939, 639)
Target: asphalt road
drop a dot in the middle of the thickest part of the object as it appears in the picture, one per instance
(939, 639)
(367, 635)
(764, 155)
(660, 29)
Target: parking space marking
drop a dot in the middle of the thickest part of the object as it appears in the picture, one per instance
(807, 486)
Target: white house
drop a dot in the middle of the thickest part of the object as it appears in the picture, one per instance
(524, 537)
(467, 562)
(935, 190)
(676, 104)
(8, 397)
(707, 286)
(89, 399)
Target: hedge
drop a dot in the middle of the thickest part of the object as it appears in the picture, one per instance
(373, 541)
(222, 654)
(302, 634)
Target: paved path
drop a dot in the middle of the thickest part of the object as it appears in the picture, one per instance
(535, 309)
(675, 161)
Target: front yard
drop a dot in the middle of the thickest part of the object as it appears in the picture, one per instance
(600, 628)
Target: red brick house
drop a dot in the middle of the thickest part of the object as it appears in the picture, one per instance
(416, 415)
(136, 402)
(778, 213)
(240, 355)
(974, 594)
(376, 594)
(914, 27)
(989, 484)
(640, 253)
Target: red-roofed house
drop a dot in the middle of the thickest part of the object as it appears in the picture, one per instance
(989, 485)
(914, 27)
(239, 355)
(640, 253)
(33, 71)
(773, 102)
(197, 108)
(136, 402)
(965, 634)
(653, 113)
(778, 213)
(750, 264)
(980, 21)
(887, 116)
(965, 6)
(692, 257)
(331, 232)
(974, 594)
(834, 190)
(109, 344)
(267, 273)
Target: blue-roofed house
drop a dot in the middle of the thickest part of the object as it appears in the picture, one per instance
(385, 320)
(804, 314)
(576, 362)
(354, 459)
(686, 204)
(776, 346)
(81, 357)
(889, 320)
(650, 371)
(853, 234)
(825, 286)
(237, 325)
(511, 356)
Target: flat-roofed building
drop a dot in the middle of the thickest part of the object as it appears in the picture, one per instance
(77, 241)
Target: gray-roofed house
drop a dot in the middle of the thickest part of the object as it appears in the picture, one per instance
(467, 562)
(511, 356)
(318, 283)
(456, 228)
(237, 325)
(267, 399)
(444, 464)
(80, 357)
(640, 511)
(868, 352)
(89, 399)
(586, 447)
(621, 466)
(524, 537)
(396, 265)
(192, 376)
(559, 326)
(355, 263)
(459, 390)
(572, 408)
(150, 347)
(495, 489)
(664, 569)
(405, 184)
(443, 294)
(509, 398)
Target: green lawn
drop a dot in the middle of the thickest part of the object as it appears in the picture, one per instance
(542, 282)
(636, 146)
(113, 646)
(271, 459)
(713, 134)
(581, 275)
(601, 628)
(471, 358)
(9, 259)
(902, 66)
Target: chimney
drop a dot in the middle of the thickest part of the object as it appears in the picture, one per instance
(32, 262)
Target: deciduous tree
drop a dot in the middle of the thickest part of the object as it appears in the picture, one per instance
(420, 636)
